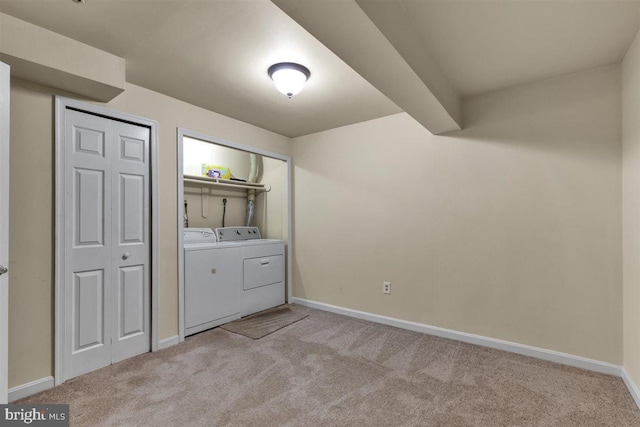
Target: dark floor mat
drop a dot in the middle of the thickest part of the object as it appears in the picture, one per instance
(264, 323)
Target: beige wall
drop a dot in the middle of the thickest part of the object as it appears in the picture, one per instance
(510, 228)
(31, 226)
(32, 208)
(272, 207)
(631, 208)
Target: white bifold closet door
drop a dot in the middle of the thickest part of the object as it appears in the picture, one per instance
(107, 250)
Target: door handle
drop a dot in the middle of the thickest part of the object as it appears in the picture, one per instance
(264, 261)
(3, 270)
(126, 255)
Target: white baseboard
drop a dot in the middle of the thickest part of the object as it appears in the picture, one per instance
(168, 342)
(28, 389)
(539, 353)
(633, 388)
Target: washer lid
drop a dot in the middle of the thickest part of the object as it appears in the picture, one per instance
(199, 235)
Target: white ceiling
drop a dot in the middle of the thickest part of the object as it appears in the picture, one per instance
(215, 53)
(484, 45)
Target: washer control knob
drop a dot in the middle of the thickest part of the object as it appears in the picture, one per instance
(238, 232)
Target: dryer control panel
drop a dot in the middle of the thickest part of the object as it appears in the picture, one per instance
(232, 234)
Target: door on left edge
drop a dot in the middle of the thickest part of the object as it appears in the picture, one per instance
(4, 230)
(107, 235)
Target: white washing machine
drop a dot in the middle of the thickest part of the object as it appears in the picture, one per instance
(230, 273)
(211, 294)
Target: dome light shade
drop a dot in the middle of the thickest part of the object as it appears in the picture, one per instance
(289, 77)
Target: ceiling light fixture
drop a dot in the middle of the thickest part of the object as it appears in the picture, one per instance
(289, 77)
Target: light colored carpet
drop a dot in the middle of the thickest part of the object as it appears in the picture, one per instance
(264, 323)
(331, 370)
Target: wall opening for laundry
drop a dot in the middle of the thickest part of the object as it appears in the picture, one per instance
(207, 204)
(234, 228)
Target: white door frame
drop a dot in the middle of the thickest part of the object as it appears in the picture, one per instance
(62, 104)
(202, 137)
(5, 87)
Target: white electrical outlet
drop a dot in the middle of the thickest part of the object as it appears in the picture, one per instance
(386, 287)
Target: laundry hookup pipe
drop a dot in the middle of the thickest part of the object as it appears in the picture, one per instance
(251, 194)
(224, 210)
(250, 212)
